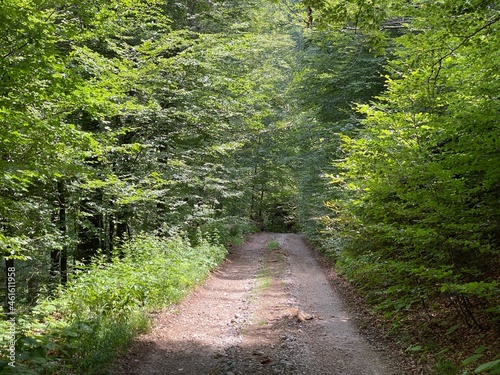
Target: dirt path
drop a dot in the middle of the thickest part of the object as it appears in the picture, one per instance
(265, 311)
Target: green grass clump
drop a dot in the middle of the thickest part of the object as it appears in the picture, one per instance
(273, 245)
(82, 329)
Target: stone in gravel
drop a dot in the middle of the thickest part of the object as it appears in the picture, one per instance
(266, 361)
(286, 363)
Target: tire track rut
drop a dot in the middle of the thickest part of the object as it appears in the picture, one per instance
(264, 311)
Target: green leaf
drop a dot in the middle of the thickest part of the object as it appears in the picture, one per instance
(452, 329)
(414, 348)
(471, 359)
(493, 366)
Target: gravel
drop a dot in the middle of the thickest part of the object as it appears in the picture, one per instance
(262, 312)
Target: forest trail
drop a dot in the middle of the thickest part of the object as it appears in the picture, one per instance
(264, 311)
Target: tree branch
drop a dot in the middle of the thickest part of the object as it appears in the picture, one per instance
(467, 38)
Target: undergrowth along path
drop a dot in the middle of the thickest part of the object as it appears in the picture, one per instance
(269, 309)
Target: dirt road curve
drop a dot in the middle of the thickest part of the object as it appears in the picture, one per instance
(265, 311)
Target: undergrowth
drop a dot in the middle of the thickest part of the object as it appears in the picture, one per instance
(87, 323)
(429, 323)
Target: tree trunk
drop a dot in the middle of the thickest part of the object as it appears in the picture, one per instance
(59, 257)
(90, 233)
(122, 231)
(111, 236)
(61, 191)
(310, 19)
(55, 266)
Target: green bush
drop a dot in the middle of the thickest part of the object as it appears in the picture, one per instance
(106, 304)
(229, 230)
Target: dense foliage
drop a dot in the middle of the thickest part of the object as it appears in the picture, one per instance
(104, 305)
(127, 126)
(121, 119)
(110, 129)
(413, 185)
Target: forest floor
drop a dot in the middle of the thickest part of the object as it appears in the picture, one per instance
(266, 310)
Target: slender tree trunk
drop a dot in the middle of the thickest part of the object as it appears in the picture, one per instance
(310, 19)
(55, 266)
(122, 231)
(61, 191)
(111, 235)
(261, 199)
(90, 235)
(254, 177)
(59, 257)
(252, 198)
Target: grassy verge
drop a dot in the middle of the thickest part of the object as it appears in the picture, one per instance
(431, 329)
(269, 271)
(82, 329)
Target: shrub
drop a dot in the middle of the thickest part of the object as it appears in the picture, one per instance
(106, 304)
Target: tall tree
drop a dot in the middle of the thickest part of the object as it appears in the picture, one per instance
(421, 176)
(334, 71)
